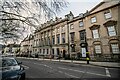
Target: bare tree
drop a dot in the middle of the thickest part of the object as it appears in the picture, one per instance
(17, 15)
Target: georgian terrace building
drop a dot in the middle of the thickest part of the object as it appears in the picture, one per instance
(99, 27)
(52, 38)
(103, 30)
(27, 45)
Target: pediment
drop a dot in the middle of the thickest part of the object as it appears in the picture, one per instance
(103, 5)
(95, 26)
(110, 23)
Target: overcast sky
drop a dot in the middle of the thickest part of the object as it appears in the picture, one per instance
(79, 6)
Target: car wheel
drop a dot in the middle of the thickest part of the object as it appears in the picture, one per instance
(22, 76)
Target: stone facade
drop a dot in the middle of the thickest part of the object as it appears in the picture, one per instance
(11, 49)
(27, 45)
(51, 39)
(107, 26)
(99, 28)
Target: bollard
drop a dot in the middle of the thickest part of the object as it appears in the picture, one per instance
(88, 60)
(87, 57)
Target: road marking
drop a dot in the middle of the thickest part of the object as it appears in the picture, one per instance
(107, 72)
(58, 71)
(71, 75)
(44, 65)
(82, 71)
(91, 66)
(48, 66)
(71, 69)
(26, 67)
(68, 74)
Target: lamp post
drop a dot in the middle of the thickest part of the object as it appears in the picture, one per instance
(84, 46)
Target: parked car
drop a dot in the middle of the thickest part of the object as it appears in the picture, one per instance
(11, 69)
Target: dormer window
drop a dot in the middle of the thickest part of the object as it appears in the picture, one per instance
(93, 19)
(71, 17)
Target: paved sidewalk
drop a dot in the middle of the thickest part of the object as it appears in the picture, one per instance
(102, 64)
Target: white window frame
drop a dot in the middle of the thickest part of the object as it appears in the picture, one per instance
(115, 48)
(107, 15)
(82, 35)
(95, 33)
(93, 19)
(111, 30)
(98, 49)
(81, 24)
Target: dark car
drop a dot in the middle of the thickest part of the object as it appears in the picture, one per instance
(10, 69)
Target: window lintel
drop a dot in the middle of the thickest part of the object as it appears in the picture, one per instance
(110, 23)
(93, 27)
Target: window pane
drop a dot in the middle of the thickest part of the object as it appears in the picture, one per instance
(97, 49)
(63, 38)
(93, 19)
(58, 39)
(72, 36)
(111, 31)
(53, 40)
(48, 40)
(81, 23)
(82, 35)
(115, 48)
(95, 34)
(108, 15)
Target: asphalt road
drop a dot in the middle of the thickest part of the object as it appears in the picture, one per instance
(50, 69)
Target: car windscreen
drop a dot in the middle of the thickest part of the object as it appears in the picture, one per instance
(8, 62)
